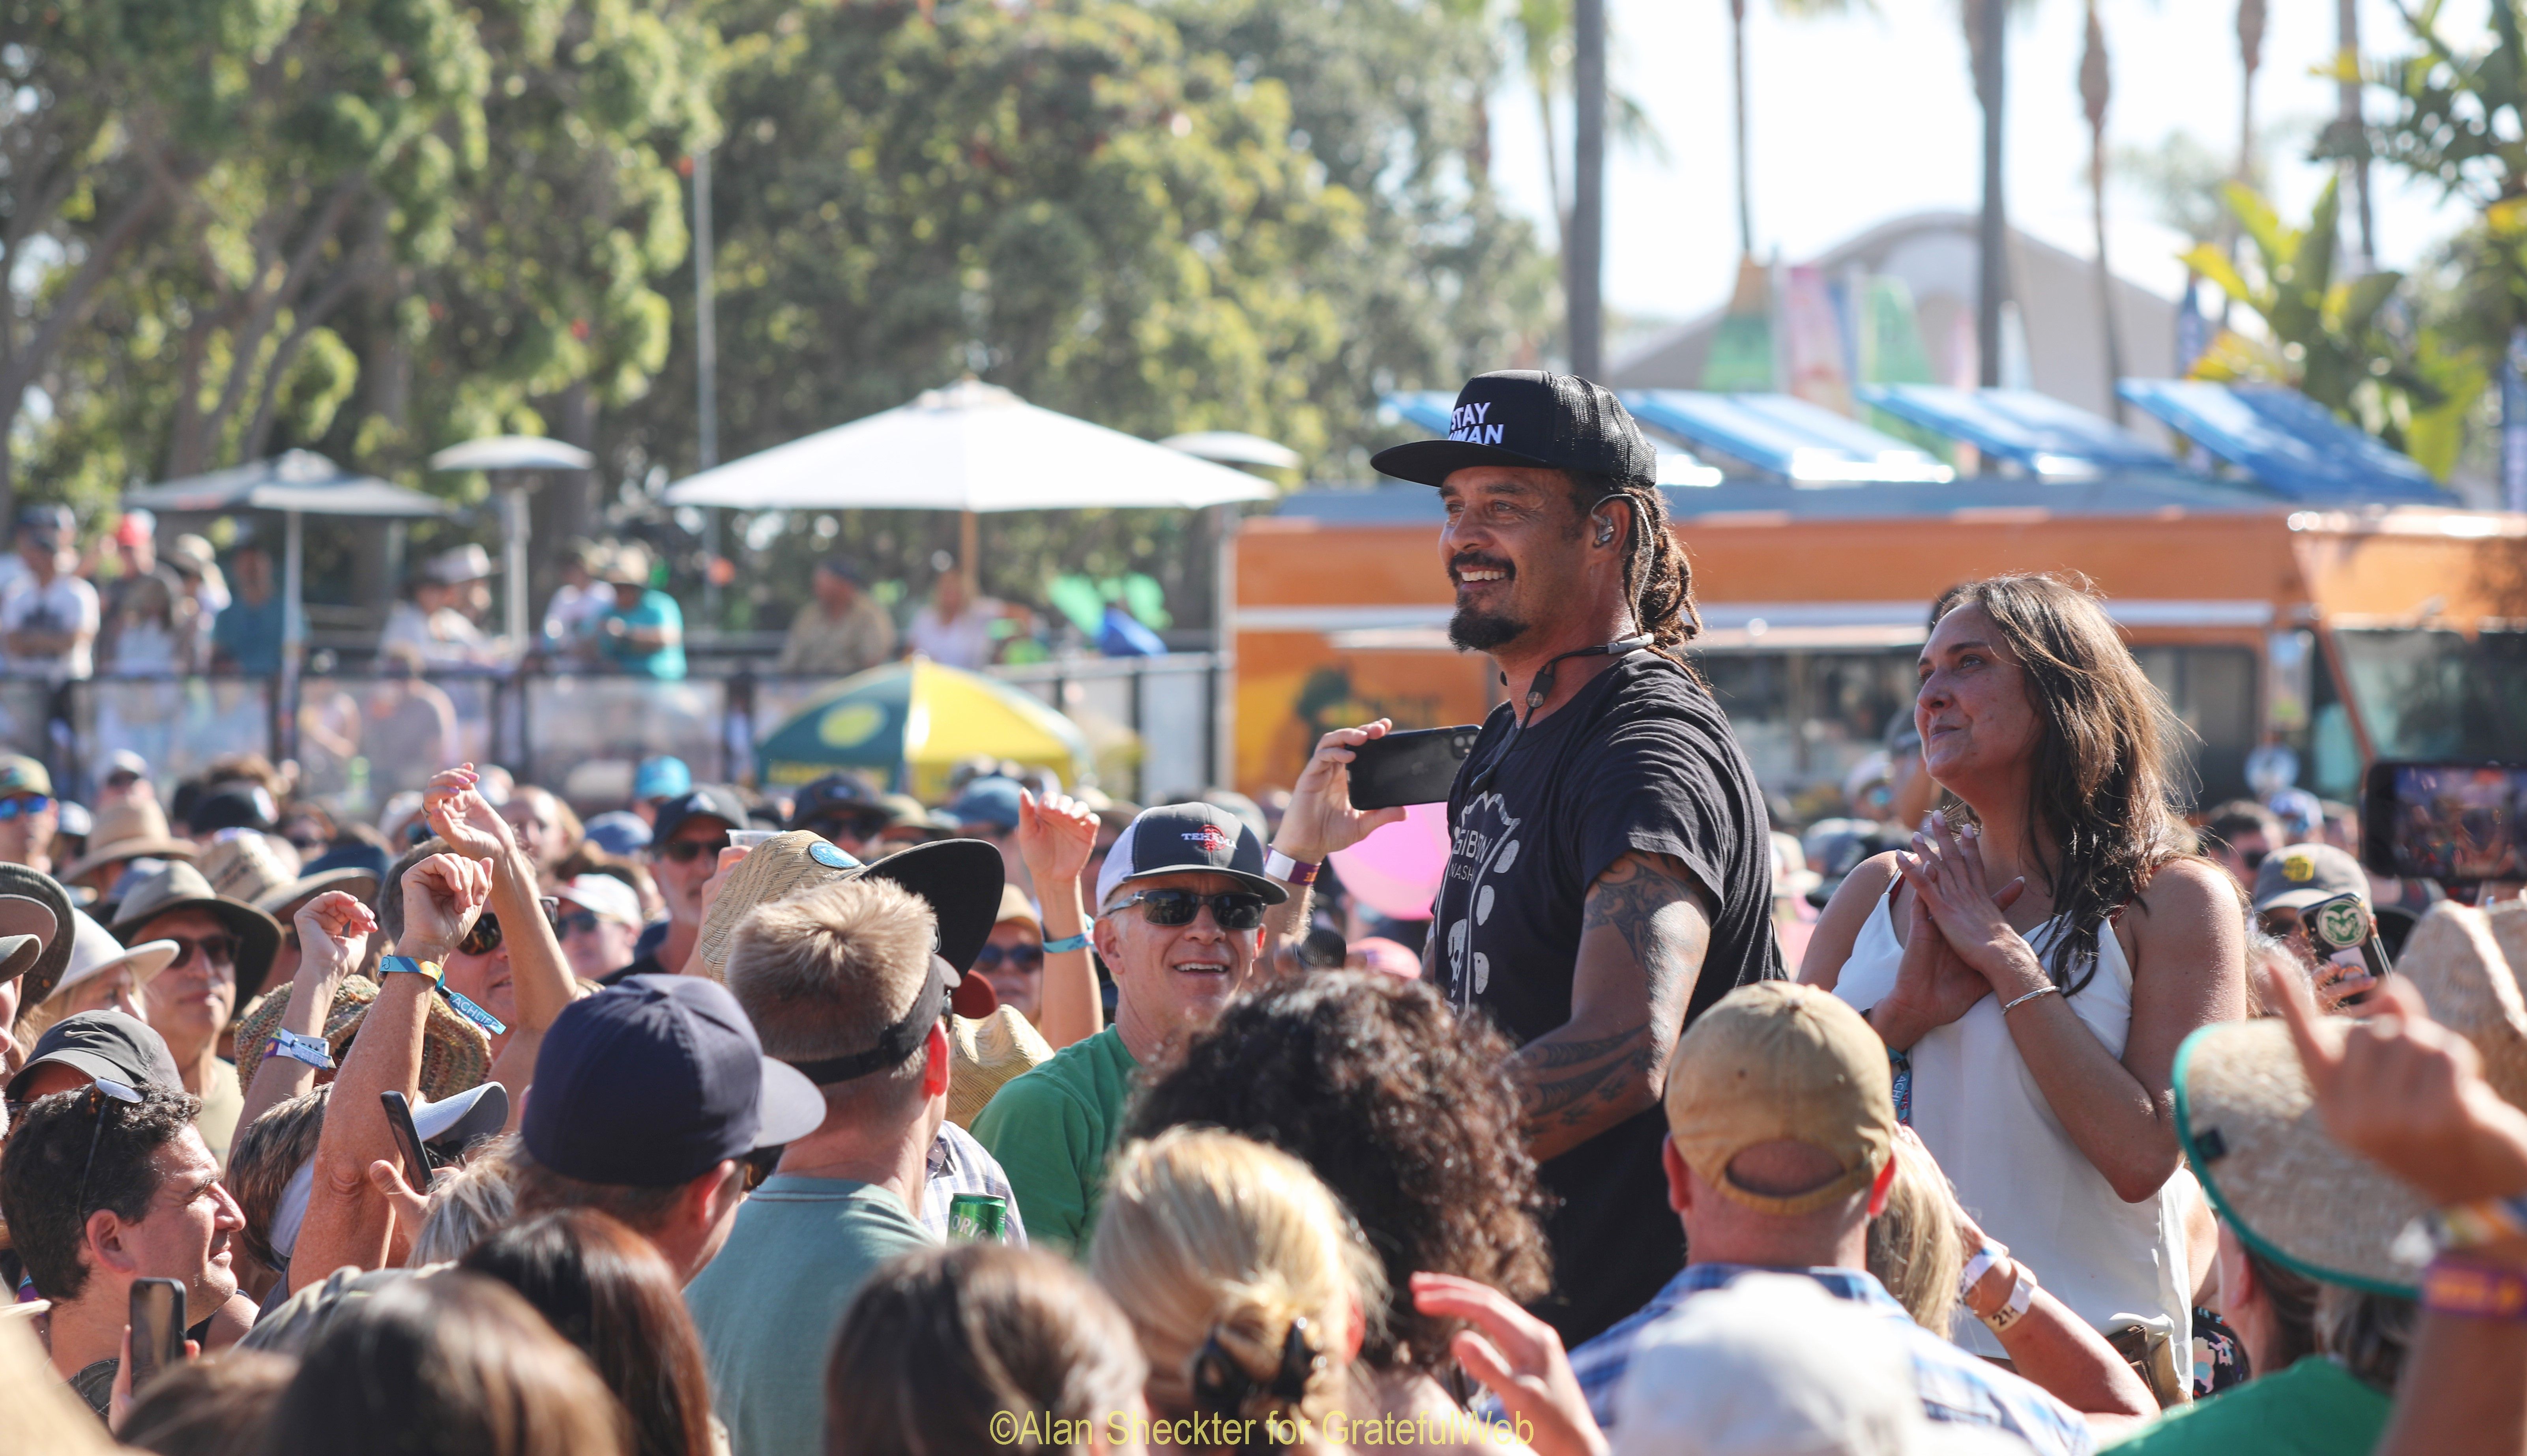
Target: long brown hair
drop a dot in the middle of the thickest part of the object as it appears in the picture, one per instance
(604, 1289)
(452, 1365)
(944, 1346)
(2102, 815)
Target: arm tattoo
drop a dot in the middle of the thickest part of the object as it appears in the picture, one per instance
(1582, 1081)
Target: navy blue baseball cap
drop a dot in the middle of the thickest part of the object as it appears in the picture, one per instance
(653, 1081)
(709, 801)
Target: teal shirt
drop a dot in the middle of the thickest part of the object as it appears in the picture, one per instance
(2314, 1408)
(656, 609)
(768, 1306)
(1052, 1131)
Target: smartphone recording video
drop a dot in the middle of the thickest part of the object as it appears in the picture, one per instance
(2457, 823)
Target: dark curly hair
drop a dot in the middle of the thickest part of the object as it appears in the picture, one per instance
(41, 1174)
(1402, 1108)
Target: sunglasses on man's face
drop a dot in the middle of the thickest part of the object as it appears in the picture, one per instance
(193, 951)
(685, 851)
(1020, 959)
(486, 936)
(24, 805)
(1234, 909)
(578, 922)
(853, 827)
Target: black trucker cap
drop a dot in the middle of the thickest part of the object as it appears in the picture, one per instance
(1531, 418)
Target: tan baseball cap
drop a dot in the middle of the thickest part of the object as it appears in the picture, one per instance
(1777, 1062)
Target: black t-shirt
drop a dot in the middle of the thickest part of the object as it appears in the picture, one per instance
(1641, 759)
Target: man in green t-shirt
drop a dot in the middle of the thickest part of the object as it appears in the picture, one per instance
(1180, 924)
(841, 982)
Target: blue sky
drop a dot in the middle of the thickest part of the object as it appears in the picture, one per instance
(1859, 120)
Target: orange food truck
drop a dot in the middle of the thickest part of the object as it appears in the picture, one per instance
(2348, 633)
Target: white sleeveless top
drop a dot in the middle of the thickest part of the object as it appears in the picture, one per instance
(1981, 1115)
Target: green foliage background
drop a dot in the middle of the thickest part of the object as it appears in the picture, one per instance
(378, 226)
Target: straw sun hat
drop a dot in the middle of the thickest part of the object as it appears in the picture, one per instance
(455, 1055)
(2249, 1126)
(984, 1055)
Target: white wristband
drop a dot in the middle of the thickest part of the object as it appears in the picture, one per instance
(1289, 871)
(1979, 1265)
(2022, 1297)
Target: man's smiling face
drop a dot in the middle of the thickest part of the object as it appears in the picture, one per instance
(1513, 546)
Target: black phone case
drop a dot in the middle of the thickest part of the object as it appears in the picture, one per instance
(408, 1138)
(1414, 767)
(156, 1347)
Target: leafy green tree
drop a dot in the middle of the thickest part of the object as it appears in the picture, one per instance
(418, 220)
(2335, 339)
(1193, 214)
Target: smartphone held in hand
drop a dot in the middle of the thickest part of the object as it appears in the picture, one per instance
(157, 1327)
(1417, 767)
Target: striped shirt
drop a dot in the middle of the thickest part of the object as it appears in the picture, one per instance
(960, 1165)
(1955, 1385)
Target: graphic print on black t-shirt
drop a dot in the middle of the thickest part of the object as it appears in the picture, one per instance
(1640, 760)
(1484, 842)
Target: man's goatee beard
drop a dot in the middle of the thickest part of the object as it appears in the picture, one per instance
(1479, 632)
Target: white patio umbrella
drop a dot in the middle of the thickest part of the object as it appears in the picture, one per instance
(296, 483)
(1235, 447)
(969, 447)
(505, 457)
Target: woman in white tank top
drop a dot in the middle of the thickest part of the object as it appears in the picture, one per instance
(2038, 958)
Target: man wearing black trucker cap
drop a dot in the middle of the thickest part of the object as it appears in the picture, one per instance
(1611, 867)
(1180, 924)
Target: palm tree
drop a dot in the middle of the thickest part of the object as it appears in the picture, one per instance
(2097, 89)
(1987, 46)
(1792, 10)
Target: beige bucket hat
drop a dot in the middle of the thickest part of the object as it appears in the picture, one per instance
(2248, 1122)
(455, 1055)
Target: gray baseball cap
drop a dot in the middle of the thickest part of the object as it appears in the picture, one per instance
(2296, 876)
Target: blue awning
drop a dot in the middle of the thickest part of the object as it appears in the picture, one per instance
(1428, 408)
(2045, 436)
(2285, 440)
(1802, 442)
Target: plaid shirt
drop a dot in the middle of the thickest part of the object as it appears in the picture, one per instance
(1955, 1383)
(959, 1165)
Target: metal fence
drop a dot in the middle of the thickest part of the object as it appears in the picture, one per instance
(359, 739)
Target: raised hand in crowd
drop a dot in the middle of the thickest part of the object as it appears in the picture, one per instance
(1320, 820)
(1056, 837)
(350, 1221)
(1518, 1358)
(333, 930)
(538, 975)
(2408, 1094)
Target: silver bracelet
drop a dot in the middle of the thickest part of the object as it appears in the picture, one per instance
(2009, 1007)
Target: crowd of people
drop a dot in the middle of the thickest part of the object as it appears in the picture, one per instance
(124, 605)
(824, 1120)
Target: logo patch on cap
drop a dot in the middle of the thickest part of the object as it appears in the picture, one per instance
(1212, 839)
(831, 857)
(2299, 869)
(1467, 423)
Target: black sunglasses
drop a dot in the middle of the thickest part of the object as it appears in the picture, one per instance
(577, 922)
(98, 1091)
(1019, 957)
(852, 826)
(1234, 909)
(486, 936)
(215, 950)
(683, 851)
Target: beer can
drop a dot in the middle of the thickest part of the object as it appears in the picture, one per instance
(978, 1217)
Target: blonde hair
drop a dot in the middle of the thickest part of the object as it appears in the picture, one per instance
(820, 974)
(1215, 1244)
(1913, 1246)
(469, 1205)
